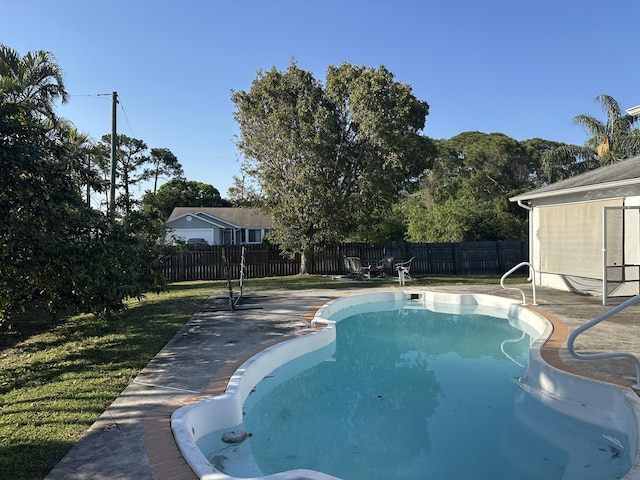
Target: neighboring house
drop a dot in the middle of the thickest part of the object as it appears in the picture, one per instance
(584, 232)
(218, 225)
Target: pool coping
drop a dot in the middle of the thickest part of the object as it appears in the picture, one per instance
(163, 452)
(550, 351)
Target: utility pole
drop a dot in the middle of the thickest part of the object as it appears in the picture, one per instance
(114, 152)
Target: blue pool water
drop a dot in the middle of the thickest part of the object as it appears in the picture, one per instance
(407, 393)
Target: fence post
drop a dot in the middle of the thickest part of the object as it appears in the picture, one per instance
(455, 258)
(267, 258)
(181, 261)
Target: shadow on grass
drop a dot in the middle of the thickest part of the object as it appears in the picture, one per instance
(31, 458)
(35, 321)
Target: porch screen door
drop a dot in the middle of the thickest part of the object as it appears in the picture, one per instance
(620, 252)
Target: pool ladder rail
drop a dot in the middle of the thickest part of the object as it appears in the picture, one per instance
(599, 356)
(533, 282)
(586, 326)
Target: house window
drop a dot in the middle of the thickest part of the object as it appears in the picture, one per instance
(255, 235)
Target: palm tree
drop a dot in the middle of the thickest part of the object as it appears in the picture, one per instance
(35, 78)
(609, 139)
(80, 148)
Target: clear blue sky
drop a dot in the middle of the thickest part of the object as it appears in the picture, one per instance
(522, 68)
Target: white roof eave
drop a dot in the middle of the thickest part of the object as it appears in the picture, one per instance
(580, 189)
(210, 219)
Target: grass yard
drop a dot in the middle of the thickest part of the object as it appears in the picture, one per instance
(58, 375)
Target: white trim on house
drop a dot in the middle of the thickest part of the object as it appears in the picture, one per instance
(207, 219)
(580, 189)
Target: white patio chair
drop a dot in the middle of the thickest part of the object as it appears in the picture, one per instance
(404, 270)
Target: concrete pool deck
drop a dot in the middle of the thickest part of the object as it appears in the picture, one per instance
(132, 439)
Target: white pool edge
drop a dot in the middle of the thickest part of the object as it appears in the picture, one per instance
(600, 402)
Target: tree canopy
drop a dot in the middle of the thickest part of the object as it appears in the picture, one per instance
(183, 193)
(162, 163)
(135, 165)
(57, 252)
(34, 78)
(329, 158)
(464, 195)
(132, 157)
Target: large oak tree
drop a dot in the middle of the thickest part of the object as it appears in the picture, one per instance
(327, 158)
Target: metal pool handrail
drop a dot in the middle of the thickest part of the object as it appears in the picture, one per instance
(598, 356)
(533, 283)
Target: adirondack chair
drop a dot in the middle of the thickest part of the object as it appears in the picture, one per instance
(355, 268)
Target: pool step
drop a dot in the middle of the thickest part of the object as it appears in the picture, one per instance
(569, 448)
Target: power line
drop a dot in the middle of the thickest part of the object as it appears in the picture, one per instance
(107, 95)
(126, 118)
(90, 95)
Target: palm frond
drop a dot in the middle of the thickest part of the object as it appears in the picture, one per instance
(610, 106)
(567, 161)
(592, 125)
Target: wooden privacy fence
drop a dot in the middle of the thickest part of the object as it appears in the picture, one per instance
(264, 260)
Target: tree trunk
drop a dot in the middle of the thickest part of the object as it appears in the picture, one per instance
(303, 263)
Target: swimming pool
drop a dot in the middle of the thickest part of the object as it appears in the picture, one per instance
(541, 398)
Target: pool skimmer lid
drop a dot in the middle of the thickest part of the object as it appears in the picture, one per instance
(234, 436)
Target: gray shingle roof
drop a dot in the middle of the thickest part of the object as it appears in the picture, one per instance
(623, 172)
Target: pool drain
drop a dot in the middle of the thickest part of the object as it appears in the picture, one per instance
(234, 436)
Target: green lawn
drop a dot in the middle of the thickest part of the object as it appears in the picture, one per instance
(58, 375)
